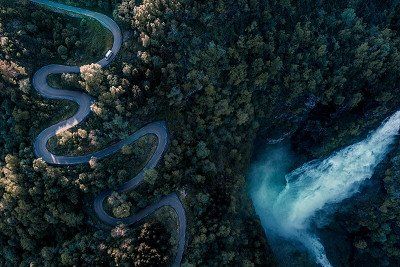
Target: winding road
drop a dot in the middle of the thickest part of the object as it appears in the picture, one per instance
(159, 129)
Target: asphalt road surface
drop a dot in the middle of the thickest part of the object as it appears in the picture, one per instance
(159, 129)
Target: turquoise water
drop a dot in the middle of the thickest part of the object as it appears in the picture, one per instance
(288, 202)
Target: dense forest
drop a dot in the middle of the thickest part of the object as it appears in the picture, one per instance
(322, 72)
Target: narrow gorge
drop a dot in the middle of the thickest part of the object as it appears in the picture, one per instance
(293, 207)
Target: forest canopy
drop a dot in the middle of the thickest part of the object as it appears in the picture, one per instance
(222, 74)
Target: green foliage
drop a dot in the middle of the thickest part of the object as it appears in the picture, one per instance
(326, 71)
(62, 50)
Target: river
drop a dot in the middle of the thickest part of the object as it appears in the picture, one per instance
(294, 204)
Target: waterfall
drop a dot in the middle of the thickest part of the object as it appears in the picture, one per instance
(317, 186)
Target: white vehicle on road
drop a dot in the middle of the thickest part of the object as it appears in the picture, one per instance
(159, 129)
(109, 54)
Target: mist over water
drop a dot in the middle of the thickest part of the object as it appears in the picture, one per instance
(288, 203)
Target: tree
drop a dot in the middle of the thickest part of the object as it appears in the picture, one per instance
(92, 78)
(150, 176)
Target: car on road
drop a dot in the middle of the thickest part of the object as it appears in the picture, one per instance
(109, 54)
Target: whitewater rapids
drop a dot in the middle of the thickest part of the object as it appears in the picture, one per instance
(316, 186)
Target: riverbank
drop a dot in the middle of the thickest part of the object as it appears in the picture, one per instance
(303, 207)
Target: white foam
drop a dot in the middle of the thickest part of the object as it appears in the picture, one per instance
(319, 184)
